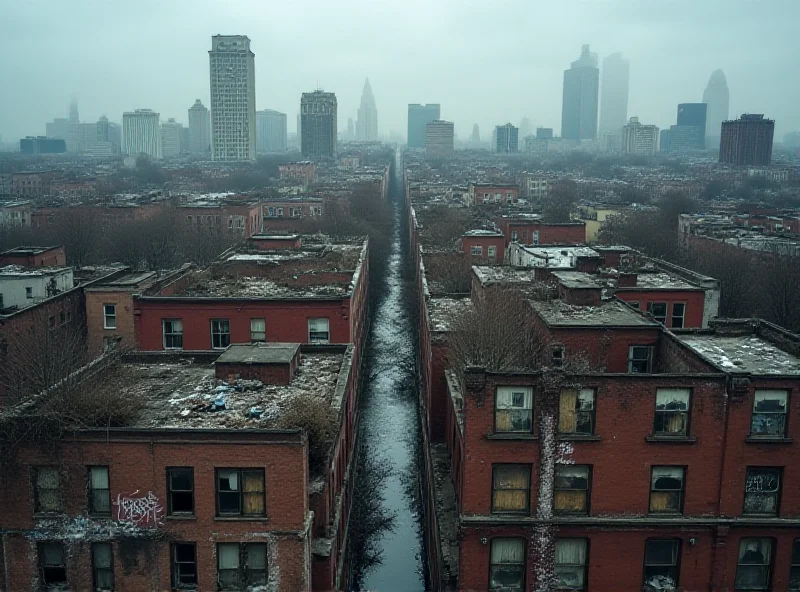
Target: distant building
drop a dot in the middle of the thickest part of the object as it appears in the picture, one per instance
(233, 98)
(525, 128)
(717, 97)
(318, 113)
(544, 133)
(579, 104)
(475, 139)
(614, 95)
(58, 129)
(42, 145)
(747, 141)
(419, 116)
(171, 138)
(142, 133)
(791, 139)
(639, 139)
(270, 131)
(682, 138)
(199, 129)
(439, 139)
(367, 122)
(507, 138)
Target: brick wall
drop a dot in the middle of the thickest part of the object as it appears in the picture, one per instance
(124, 334)
(484, 242)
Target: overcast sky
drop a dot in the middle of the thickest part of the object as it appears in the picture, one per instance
(485, 61)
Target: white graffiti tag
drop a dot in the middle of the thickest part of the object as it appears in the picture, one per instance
(141, 511)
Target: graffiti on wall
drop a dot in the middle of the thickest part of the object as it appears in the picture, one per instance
(143, 510)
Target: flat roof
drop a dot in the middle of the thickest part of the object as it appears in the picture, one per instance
(181, 394)
(660, 281)
(743, 353)
(488, 274)
(31, 271)
(259, 353)
(236, 286)
(26, 250)
(441, 310)
(482, 232)
(579, 279)
(129, 280)
(611, 313)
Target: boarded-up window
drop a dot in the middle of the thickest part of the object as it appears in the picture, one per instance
(576, 412)
(514, 409)
(666, 490)
(47, 482)
(571, 495)
(511, 489)
(761, 491)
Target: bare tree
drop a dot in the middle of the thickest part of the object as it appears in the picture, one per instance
(316, 418)
(79, 233)
(448, 273)
(560, 201)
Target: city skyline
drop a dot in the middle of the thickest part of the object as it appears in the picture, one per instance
(663, 74)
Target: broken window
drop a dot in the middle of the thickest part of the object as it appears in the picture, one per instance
(240, 492)
(678, 315)
(241, 565)
(99, 491)
(769, 413)
(754, 564)
(634, 304)
(570, 564)
(661, 565)
(640, 359)
(557, 356)
(47, 496)
(109, 316)
(28, 292)
(576, 412)
(318, 331)
(507, 565)
(666, 490)
(173, 333)
(184, 565)
(220, 333)
(180, 485)
(511, 486)
(497, 197)
(258, 329)
(794, 571)
(658, 310)
(52, 566)
(102, 566)
(571, 484)
(672, 412)
(476, 251)
(762, 490)
(513, 411)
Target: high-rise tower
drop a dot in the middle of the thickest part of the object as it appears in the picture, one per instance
(367, 122)
(419, 116)
(717, 97)
(233, 98)
(614, 95)
(579, 104)
(199, 129)
(318, 112)
(142, 133)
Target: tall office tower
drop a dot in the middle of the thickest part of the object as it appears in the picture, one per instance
(717, 97)
(419, 116)
(115, 134)
(318, 122)
(350, 132)
(747, 141)
(367, 122)
(299, 130)
(614, 95)
(73, 111)
(171, 134)
(507, 138)
(693, 115)
(102, 129)
(142, 133)
(579, 103)
(544, 133)
(199, 129)
(525, 128)
(233, 98)
(791, 139)
(476, 135)
(439, 138)
(270, 131)
(638, 139)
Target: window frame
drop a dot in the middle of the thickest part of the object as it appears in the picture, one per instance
(317, 340)
(676, 566)
(776, 495)
(172, 334)
(681, 491)
(794, 565)
(37, 509)
(527, 508)
(96, 569)
(107, 316)
(240, 491)
(681, 316)
(632, 360)
(62, 566)
(243, 571)
(769, 565)
(491, 251)
(523, 569)
(587, 491)
(584, 566)
(668, 412)
(263, 338)
(174, 566)
(591, 413)
(92, 490)
(785, 414)
(219, 334)
(658, 318)
(170, 490)
(557, 354)
(525, 391)
(476, 251)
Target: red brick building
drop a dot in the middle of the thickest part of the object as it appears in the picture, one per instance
(532, 230)
(492, 193)
(285, 215)
(305, 171)
(217, 499)
(483, 246)
(275, 242)
(34, 256)
(242, 218)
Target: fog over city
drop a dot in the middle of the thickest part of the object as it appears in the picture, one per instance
(484, 62)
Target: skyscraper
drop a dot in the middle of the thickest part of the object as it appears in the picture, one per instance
(142, 133)
(747, 141)
(73, 111)
(439, 139)
(614, 94)
(475, 139)
(717, 97)
(367, 122)
(638, 139)
(171, 134)
(419, 116)
(693, 115)
(233, 98)
(199, 129)
(318, 111)
(270, 131)
(579, 103)
(525, 128)
(507, 138)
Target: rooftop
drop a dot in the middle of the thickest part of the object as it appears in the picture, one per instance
(579, 279)
(743, 353)
(483, 232)
(128, 280)
(262, 353)
(660, 281)
(491, 274)
(10, 271)
(26, 250)
(608, 314)
(442, 309)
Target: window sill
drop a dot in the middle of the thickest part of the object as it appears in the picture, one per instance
(767, 440)
(664, 514)
(180, 517)
(578, 438)
(671, 439)
(511, 436)
(240, 518)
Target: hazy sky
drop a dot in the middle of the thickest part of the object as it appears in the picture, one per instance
(487, 61)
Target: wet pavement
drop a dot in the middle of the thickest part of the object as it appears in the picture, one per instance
(389, 430)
